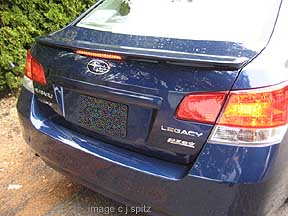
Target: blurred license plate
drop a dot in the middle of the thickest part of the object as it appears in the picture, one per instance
(102, 116)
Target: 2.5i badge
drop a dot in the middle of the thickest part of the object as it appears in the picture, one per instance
(181, 142)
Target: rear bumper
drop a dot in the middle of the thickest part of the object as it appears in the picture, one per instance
(223, 181)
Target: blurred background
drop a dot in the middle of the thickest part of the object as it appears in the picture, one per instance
(23, 20)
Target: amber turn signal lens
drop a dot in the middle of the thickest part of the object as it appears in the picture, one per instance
(259, 108)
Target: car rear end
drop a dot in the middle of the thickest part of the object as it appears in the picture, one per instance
(183, 122)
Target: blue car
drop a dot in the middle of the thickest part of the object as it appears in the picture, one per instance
(172, 107)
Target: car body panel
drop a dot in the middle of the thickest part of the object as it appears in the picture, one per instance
(151, 95)
(214, 179)
(196, 193)
(271, 66)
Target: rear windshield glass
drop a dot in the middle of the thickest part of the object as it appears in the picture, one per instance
(221, 20)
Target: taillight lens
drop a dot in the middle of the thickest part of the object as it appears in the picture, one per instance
(253, 117)
(262, 108)
(201, 107)
(34, 69)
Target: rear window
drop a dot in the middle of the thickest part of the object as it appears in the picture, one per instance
(219, 20)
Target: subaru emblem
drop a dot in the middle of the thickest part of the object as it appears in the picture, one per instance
(98, 67)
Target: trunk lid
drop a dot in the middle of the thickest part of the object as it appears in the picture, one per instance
(142, 96)
(133, 105)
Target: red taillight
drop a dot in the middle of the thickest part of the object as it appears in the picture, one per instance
(99, 55)
(256, 117)
(201, 107)
(260, 108)
(34, 69)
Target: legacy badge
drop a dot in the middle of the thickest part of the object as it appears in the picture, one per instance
(183, 132)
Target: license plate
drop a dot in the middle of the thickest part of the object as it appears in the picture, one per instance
(102, 116)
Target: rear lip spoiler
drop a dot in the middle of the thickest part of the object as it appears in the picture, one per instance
(172, 57)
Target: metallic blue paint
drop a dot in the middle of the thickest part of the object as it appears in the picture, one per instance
(169, 188)
(271, 66)
(102, 150)
(142, 168)
(152, 96)
(229, 163)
